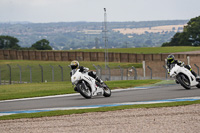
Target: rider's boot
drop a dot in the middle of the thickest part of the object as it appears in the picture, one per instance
(75, 89)
(197, 77)
(193, 73)
(100, 82)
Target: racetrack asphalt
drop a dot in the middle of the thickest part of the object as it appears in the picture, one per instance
(118, 96)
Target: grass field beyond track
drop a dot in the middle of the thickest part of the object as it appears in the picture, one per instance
(146, 50)
(88, 64)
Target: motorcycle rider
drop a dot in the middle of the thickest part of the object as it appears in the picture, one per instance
(171, 61)
(75, 65)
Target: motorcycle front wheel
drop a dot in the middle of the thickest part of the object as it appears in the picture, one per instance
(198, 86)
(107, 91)
(184, 81)
(84, 91)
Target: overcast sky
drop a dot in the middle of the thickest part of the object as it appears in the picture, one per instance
(92, 10)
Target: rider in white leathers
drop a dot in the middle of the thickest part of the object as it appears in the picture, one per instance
(171, 61)
(75, 65)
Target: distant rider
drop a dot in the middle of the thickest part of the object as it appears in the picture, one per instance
(75, 65)
(171, 61)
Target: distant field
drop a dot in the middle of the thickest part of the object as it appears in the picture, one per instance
(146, 50)
(157, 29)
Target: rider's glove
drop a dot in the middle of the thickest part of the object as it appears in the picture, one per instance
(181, 63)
(168, 71)
(81, 68)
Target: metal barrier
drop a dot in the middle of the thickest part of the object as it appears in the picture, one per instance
(109, 77)
(197, 68)
(150, 71)
(41, 72)
(0, 75)
(61, 72)
(9, 67)
(30, 73)
(131, 72)
(166, 72)
(135, 74)
(122, 72)
(127, 73)
(52, 69)
(20, 72)
(100, 71)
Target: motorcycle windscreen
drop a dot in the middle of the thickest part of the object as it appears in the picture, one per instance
(73, 71)
(171, 66)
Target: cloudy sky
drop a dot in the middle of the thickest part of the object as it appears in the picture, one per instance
(92, 10)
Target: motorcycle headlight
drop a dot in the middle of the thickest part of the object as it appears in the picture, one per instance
(173, 75)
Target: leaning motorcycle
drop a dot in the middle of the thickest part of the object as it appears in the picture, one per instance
(86, 85)
(184, 77)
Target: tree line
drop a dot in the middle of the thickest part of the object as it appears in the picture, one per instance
(72, 35)
(9, 42)
(189, 37)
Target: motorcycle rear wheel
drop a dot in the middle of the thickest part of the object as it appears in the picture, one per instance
(184, 81)
(84, 91)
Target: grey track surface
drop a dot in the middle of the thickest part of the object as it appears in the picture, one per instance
(155, 93)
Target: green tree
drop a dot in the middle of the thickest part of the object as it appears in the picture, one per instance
(190, 35)
(9, 42)
(42, 45)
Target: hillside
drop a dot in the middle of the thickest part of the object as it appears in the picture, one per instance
(84, 35)
(155, 29)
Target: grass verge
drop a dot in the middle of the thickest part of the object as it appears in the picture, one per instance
(103, 109)
(16, 91)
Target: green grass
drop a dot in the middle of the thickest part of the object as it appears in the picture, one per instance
(15, 91)
(103, 109)
(36, 71)
(130, 83)
(146, 50)
(88, 64)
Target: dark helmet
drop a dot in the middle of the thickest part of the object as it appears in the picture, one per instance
(170, 58)
(74, 64)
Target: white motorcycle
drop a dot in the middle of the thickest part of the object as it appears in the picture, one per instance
(184, 77)
(86, 85)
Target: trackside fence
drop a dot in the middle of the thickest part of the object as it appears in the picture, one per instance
(18, 74)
